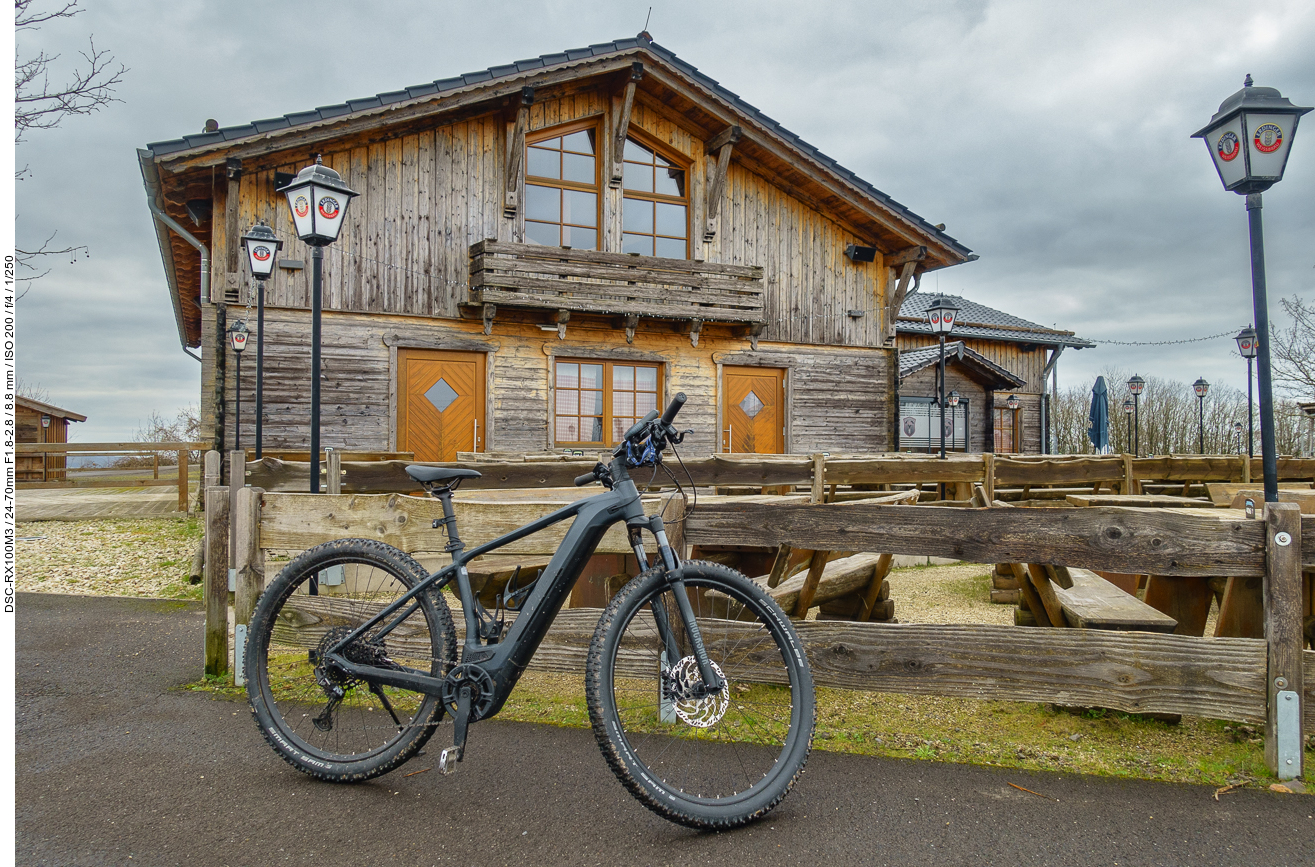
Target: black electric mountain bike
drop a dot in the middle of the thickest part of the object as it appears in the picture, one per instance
(698, 689)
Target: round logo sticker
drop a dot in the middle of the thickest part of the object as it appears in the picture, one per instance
(909, 427)
(328, 207)
(301, 206)
(1269, 138)
(949, 318)
(261, 253)
(1228, 147)
(936, 319)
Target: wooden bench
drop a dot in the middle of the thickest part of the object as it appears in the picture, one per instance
(1094, 603)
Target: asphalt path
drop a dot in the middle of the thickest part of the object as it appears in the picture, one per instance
(117, 765)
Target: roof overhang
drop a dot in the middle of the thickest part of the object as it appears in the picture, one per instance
(990, 375)
(49, 409)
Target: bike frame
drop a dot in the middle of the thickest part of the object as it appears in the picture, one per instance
(506, 660)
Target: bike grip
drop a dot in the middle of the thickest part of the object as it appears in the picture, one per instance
(587, 478)
(638, 427)
(674, 407)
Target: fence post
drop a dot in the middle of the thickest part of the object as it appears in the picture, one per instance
(333, 462)
(249, 564)
(1283, 610)
(214, 464)
(819, 477)
(183, 470)
(988, 481)
(216, 578)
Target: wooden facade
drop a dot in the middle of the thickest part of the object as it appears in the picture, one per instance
(1025, 350)
(435, 255)
(40, 422)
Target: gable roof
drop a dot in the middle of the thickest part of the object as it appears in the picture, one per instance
(49, 409)
(642, 43)
(992, 374)
(978, 320)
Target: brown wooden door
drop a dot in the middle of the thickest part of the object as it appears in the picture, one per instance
(753, 410)
(440, 403)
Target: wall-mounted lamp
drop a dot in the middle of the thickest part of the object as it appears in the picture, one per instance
(860, 254)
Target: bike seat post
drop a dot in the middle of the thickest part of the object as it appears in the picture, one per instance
(454, 547)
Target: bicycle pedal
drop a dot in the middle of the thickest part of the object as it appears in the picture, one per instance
(448, 758)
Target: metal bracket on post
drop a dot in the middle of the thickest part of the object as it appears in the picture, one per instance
(239, 654)
(1287, 714)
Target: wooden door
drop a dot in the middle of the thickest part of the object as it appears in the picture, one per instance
(440, 403)
(753, 410)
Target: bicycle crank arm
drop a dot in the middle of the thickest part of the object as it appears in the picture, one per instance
(448, 758)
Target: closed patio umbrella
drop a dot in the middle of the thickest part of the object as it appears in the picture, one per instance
(1099, 432)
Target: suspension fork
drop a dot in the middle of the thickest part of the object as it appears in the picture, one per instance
(675, 581)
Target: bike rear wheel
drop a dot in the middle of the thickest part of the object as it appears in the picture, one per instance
(705, 761)
(322, 721)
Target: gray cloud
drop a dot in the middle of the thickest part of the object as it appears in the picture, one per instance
(1051, 138)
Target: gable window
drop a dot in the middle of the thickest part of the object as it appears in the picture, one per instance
(561, 189)
(598, 401)
(655, 207)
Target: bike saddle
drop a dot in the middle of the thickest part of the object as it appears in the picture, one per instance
(429, 475)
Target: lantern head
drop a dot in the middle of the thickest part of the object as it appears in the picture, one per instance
(1012, 402)
(1128, 406)
(237, 336)
(1247, 342)
(1250, 136)
(1136, 385)
(318, 199)
(1201, 387)
(1237, 427)
(262, 248)
(952, 398)
(45, 421)
(941, 316)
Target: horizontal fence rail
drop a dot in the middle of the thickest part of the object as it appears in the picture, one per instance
(120, 449)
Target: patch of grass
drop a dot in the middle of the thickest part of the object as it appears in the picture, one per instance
(975, 588)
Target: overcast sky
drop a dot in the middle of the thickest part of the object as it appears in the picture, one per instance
(1051, 138)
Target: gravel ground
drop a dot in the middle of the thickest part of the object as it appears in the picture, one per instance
(960, 593)
(122, 557)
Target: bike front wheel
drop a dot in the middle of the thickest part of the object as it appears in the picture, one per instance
(707, 761)
(321, 720)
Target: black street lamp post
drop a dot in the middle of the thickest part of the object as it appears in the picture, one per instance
(1249, 140)
(1202, 388)
(237, 336)
(262, 251)
(953, 400)
(941, 315)
(1247, 346)
(1136, 385)
(1128, 407)
(318, 199)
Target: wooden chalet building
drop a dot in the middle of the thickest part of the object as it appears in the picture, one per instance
(993, 355)
(541, 252)
(40, 422)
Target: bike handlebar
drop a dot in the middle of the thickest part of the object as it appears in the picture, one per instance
(640, 426)
(674, 407)
(587, 479)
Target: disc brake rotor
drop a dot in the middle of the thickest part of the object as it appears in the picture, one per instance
(682, 681)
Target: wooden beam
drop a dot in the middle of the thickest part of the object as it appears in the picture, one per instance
(515, 154)
(725, 141)
(695, 329)
(897, 297)
(780, 566)
(1163, 541)
(623, 125)
(915, 253)
(809, 589)
(879, 573)
(1285, 686)
(819, 477)
(730, 135)
(632, 322)
(250, 560)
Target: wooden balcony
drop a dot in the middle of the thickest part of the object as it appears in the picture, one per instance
(586, 281)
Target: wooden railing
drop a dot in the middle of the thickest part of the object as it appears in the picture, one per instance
(960, 471)
(180, 481)
(556, 278)
(1221, 678)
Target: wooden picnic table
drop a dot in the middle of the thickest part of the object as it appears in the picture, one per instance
(1142, 501)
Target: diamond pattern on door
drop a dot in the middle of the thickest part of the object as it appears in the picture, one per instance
(441, 395)
(440, 403)
(751, 405)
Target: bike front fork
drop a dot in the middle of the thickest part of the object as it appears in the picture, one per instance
(674, 569)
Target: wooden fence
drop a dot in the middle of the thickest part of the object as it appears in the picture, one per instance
(179, 481)
(1124, 472)
(1222, 678)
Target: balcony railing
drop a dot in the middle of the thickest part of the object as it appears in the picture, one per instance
(586, 281)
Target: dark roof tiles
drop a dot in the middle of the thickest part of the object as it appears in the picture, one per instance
(978, 320)
(913, 360)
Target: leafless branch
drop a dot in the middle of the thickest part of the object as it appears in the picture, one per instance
(1292, 349)
(28, 259)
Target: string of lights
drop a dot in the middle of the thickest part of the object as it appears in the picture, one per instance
(1227, 333)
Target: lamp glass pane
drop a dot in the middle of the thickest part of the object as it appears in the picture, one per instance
(261, 255)
(299, 202)
(1268, 138)
(330, 208)
(1226, 149)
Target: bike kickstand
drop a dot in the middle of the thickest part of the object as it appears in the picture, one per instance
(448, 758)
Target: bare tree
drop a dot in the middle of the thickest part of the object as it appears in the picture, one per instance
(39, 104)
(33, 390)
(1292, 350)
